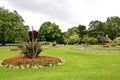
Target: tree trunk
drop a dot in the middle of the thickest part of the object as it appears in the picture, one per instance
(3, 36)
(3, 40)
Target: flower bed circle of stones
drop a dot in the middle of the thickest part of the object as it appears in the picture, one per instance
(20, 62)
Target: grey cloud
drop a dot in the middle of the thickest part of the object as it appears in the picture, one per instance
(56, 9)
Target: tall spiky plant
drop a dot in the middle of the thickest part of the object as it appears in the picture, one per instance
(33, 48)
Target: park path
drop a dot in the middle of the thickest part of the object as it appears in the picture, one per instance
(95, 50)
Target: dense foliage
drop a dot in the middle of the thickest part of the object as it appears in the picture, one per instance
(100, 29)
(115, 42)
(75, 34)
(96, 32)
(49, 32)
(11, 26)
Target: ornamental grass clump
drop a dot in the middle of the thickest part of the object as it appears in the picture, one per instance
(33, 48)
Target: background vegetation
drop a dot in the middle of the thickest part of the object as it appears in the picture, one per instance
(12, 29)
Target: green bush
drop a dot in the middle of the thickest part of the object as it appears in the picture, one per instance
(90, 40)
(31, 50)
(115, 42)
(118, 41)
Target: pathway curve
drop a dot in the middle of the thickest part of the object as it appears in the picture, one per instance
(95, 50)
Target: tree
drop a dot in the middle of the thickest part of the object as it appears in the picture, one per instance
(22, 33)
(82, 31)
(112, 27)
(49, 32)
(74, 39)
(96, 30)
(9, 21)
(72, 31)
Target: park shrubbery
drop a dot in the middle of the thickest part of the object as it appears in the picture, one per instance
(90, 40)
(115, 42)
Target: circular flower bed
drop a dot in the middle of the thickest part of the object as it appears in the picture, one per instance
(15, 49)
(24, 62)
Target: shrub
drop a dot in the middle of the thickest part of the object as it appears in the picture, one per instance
(115, 42)
(90, 40)
(118, 41)
(74, 38)
(31, 50)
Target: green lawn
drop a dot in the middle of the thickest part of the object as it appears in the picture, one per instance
(79, 65)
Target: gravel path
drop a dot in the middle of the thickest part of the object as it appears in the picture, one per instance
(93, 50)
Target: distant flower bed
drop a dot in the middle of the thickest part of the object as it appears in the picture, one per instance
(15, 49)
(104, 45)
(54, 46)
(38, 62)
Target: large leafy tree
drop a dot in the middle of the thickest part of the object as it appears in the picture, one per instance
(80, 31)
(96, 29)
(10, 22)
(49, 32)
(21, 33)
(112, 27)
(70, 32)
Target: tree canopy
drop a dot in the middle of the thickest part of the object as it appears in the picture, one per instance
(10, 22)
(100, 29)
(49, 32)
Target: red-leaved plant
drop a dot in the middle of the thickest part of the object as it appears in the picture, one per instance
(33, 48)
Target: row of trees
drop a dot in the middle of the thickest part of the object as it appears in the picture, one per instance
(99, 29)
(12, 29)
(95, 34)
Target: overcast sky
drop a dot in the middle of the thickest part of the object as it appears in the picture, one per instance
(65, 13)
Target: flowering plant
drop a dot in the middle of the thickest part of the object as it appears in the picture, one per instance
(38, 62)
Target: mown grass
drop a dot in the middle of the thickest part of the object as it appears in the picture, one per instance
(79, 65)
